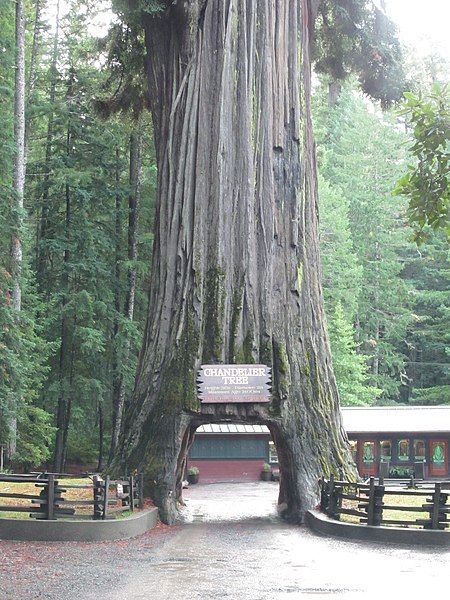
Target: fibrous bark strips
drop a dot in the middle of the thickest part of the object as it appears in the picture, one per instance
(236, 272)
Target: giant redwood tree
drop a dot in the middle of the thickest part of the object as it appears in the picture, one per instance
(236, 270)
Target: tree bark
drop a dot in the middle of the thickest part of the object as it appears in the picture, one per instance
(132, 255)
(18, 186)
(65, 351)
(62, 413)
(334, 93)
(101, 435)
(235, 271)
(117, 308)
(33, 73)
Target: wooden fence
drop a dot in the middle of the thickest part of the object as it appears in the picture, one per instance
(109, 496)
(368, 501)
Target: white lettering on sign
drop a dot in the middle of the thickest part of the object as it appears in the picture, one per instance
(234, 383)
(234, 372)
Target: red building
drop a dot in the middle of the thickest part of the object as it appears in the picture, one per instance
(401, 436)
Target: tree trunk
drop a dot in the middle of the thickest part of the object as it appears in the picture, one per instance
(118, 311)
(63, 402)
(133, 207)
(18, 186)
(235, 271)
(101, 435)
(32, 75)
(65, 355)
(334, 93)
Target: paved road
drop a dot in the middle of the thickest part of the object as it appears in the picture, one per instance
(232, 546)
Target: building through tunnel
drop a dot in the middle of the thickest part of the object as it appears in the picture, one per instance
(400, 438)
(232, 452)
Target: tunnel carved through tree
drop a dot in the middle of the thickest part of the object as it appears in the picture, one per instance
(236, 271)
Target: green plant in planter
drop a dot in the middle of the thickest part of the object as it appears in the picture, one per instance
(193, 474)
(266, 472)
(400, 472)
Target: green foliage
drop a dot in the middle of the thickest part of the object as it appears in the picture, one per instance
(438, 394)
(360, 157)
(76, 192)
(400, 472)
(428, 271)
(36, 436)
(152, 7)
(395, 296)
(23, 351)
(342, 275)
(350, 367)
(23, 355)
(427, 182)
(125, 84)
(354, 36)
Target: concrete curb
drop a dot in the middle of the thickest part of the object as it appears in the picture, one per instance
(320, 523)
(78, 531)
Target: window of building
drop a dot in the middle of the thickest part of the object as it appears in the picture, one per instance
(368, 452)
(273, 455)
(419, 450)
(403, 450)
(438, 456)
(385, 450)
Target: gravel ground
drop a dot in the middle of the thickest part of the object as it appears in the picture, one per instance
(68, 570)
(233, 546)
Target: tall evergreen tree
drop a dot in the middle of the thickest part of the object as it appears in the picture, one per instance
(427, 270)
(343, 286)
(78, 193)
(362, 154)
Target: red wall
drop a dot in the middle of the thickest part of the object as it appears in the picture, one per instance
(213, 471)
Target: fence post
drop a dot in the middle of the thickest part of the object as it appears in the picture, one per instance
(334, 498)
(97, 491)
(105, 497)
(50, 498)
(378, 505)
(322, 494)
(131, 498)
(371, 506)
(141, 489)
(331, 496)
(436, 506)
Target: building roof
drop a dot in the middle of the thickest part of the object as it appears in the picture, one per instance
(390, 419)
(365, 419)
(232, 428)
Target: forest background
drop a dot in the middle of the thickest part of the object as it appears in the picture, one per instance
(68, 352)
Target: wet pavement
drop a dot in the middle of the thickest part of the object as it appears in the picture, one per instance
(233, 546)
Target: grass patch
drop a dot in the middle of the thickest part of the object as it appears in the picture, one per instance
(70, 494)
(33, 489)
(409, 500)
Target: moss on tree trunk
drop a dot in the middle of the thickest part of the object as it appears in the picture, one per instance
(236, 272)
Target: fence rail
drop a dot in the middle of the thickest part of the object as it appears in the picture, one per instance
(49, 501)
(368, 501)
